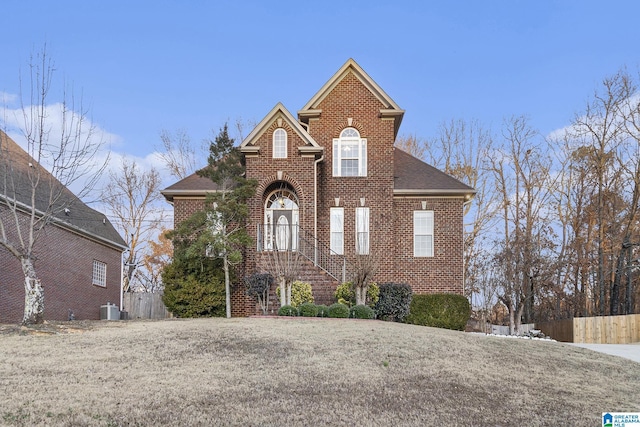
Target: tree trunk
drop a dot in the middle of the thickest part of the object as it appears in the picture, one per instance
(615, 288)
(283, 291)
(33, 294)
(361, 295)
(512, 319)
(227, 285)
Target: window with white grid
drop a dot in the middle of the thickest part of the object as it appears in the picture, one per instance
(99, 273)
(422, 233)
(337, 230)
(279, 144)
(350, 154)
(362, 231)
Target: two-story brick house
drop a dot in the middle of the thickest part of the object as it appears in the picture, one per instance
(332, 185)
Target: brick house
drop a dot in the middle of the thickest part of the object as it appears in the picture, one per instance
(78, 253)
(332, 185)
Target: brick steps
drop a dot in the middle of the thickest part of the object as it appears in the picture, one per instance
(322, 284)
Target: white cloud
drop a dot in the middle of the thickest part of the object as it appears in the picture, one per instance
(7, 98)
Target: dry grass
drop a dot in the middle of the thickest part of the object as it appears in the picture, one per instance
(301, 372)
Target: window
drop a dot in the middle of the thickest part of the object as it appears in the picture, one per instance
(337, 230)
(280, 144)
(350, 154)
(99, 273)
(362, 231)
(423, 233)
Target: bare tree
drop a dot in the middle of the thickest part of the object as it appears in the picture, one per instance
(284, 264)
(413, 145)
(60, 156)
(130, 195)
(600, 128)
(179, 154)
(522, 175)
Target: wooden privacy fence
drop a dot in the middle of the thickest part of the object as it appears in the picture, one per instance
(144, 305)
(595, 330)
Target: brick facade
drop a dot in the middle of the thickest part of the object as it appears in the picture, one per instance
(64, 265)
(395, 185)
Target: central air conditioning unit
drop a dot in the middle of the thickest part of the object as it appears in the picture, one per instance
(109, 312)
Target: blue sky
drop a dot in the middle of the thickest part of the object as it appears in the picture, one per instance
(144, 66)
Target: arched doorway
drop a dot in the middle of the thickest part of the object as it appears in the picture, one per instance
(281, 219)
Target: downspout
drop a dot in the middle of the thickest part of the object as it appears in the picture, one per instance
(315, 207)
(464, 266)
(121, 280)
(315, 200)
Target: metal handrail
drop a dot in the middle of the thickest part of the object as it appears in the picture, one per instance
(297, 239)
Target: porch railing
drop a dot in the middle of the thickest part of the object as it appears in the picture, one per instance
(294, 238)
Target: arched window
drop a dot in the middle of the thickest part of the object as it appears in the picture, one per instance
(280, 144)
(350, 154)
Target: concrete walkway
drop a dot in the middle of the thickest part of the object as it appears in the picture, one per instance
(628, 351)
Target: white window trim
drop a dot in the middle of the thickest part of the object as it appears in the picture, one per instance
(362, 231)
(278, 151)
(99, 276)
(337, 228)
(428, 232)
(361, 157)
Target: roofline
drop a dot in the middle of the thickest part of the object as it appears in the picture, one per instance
(367, 80)
(245, 146)
(66, 225)
(170, 194)
(435, 192)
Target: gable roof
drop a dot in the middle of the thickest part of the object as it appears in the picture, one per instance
(391, 109)
(412, 176)
(69, 211)
(279, 112)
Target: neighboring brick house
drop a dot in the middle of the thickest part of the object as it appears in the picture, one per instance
(331, 184)
(78, 254)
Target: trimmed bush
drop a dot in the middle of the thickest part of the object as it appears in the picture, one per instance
(300, 293)
(338, 310)
(308, 309)
(393, 303)
(288, 310)
(323, 310)
(362, 312)
(345, 294)
(449, 311)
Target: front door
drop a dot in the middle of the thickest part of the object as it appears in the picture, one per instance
(281, 219)
(282, 229)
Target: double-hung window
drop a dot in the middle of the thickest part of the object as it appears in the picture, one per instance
(280, 144)
(350, 154)
(337, 230)
(422, 233)
(362, 231)
(99, 273)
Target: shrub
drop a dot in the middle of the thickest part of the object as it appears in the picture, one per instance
(323, 310)
(394, 301)
(308, 309)
(345, 294)
(288, 310)
(362, 312)
(300, 293)
(190, 297)
(193, 288)
(338, 310)
(447, 311)
(257, 286)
